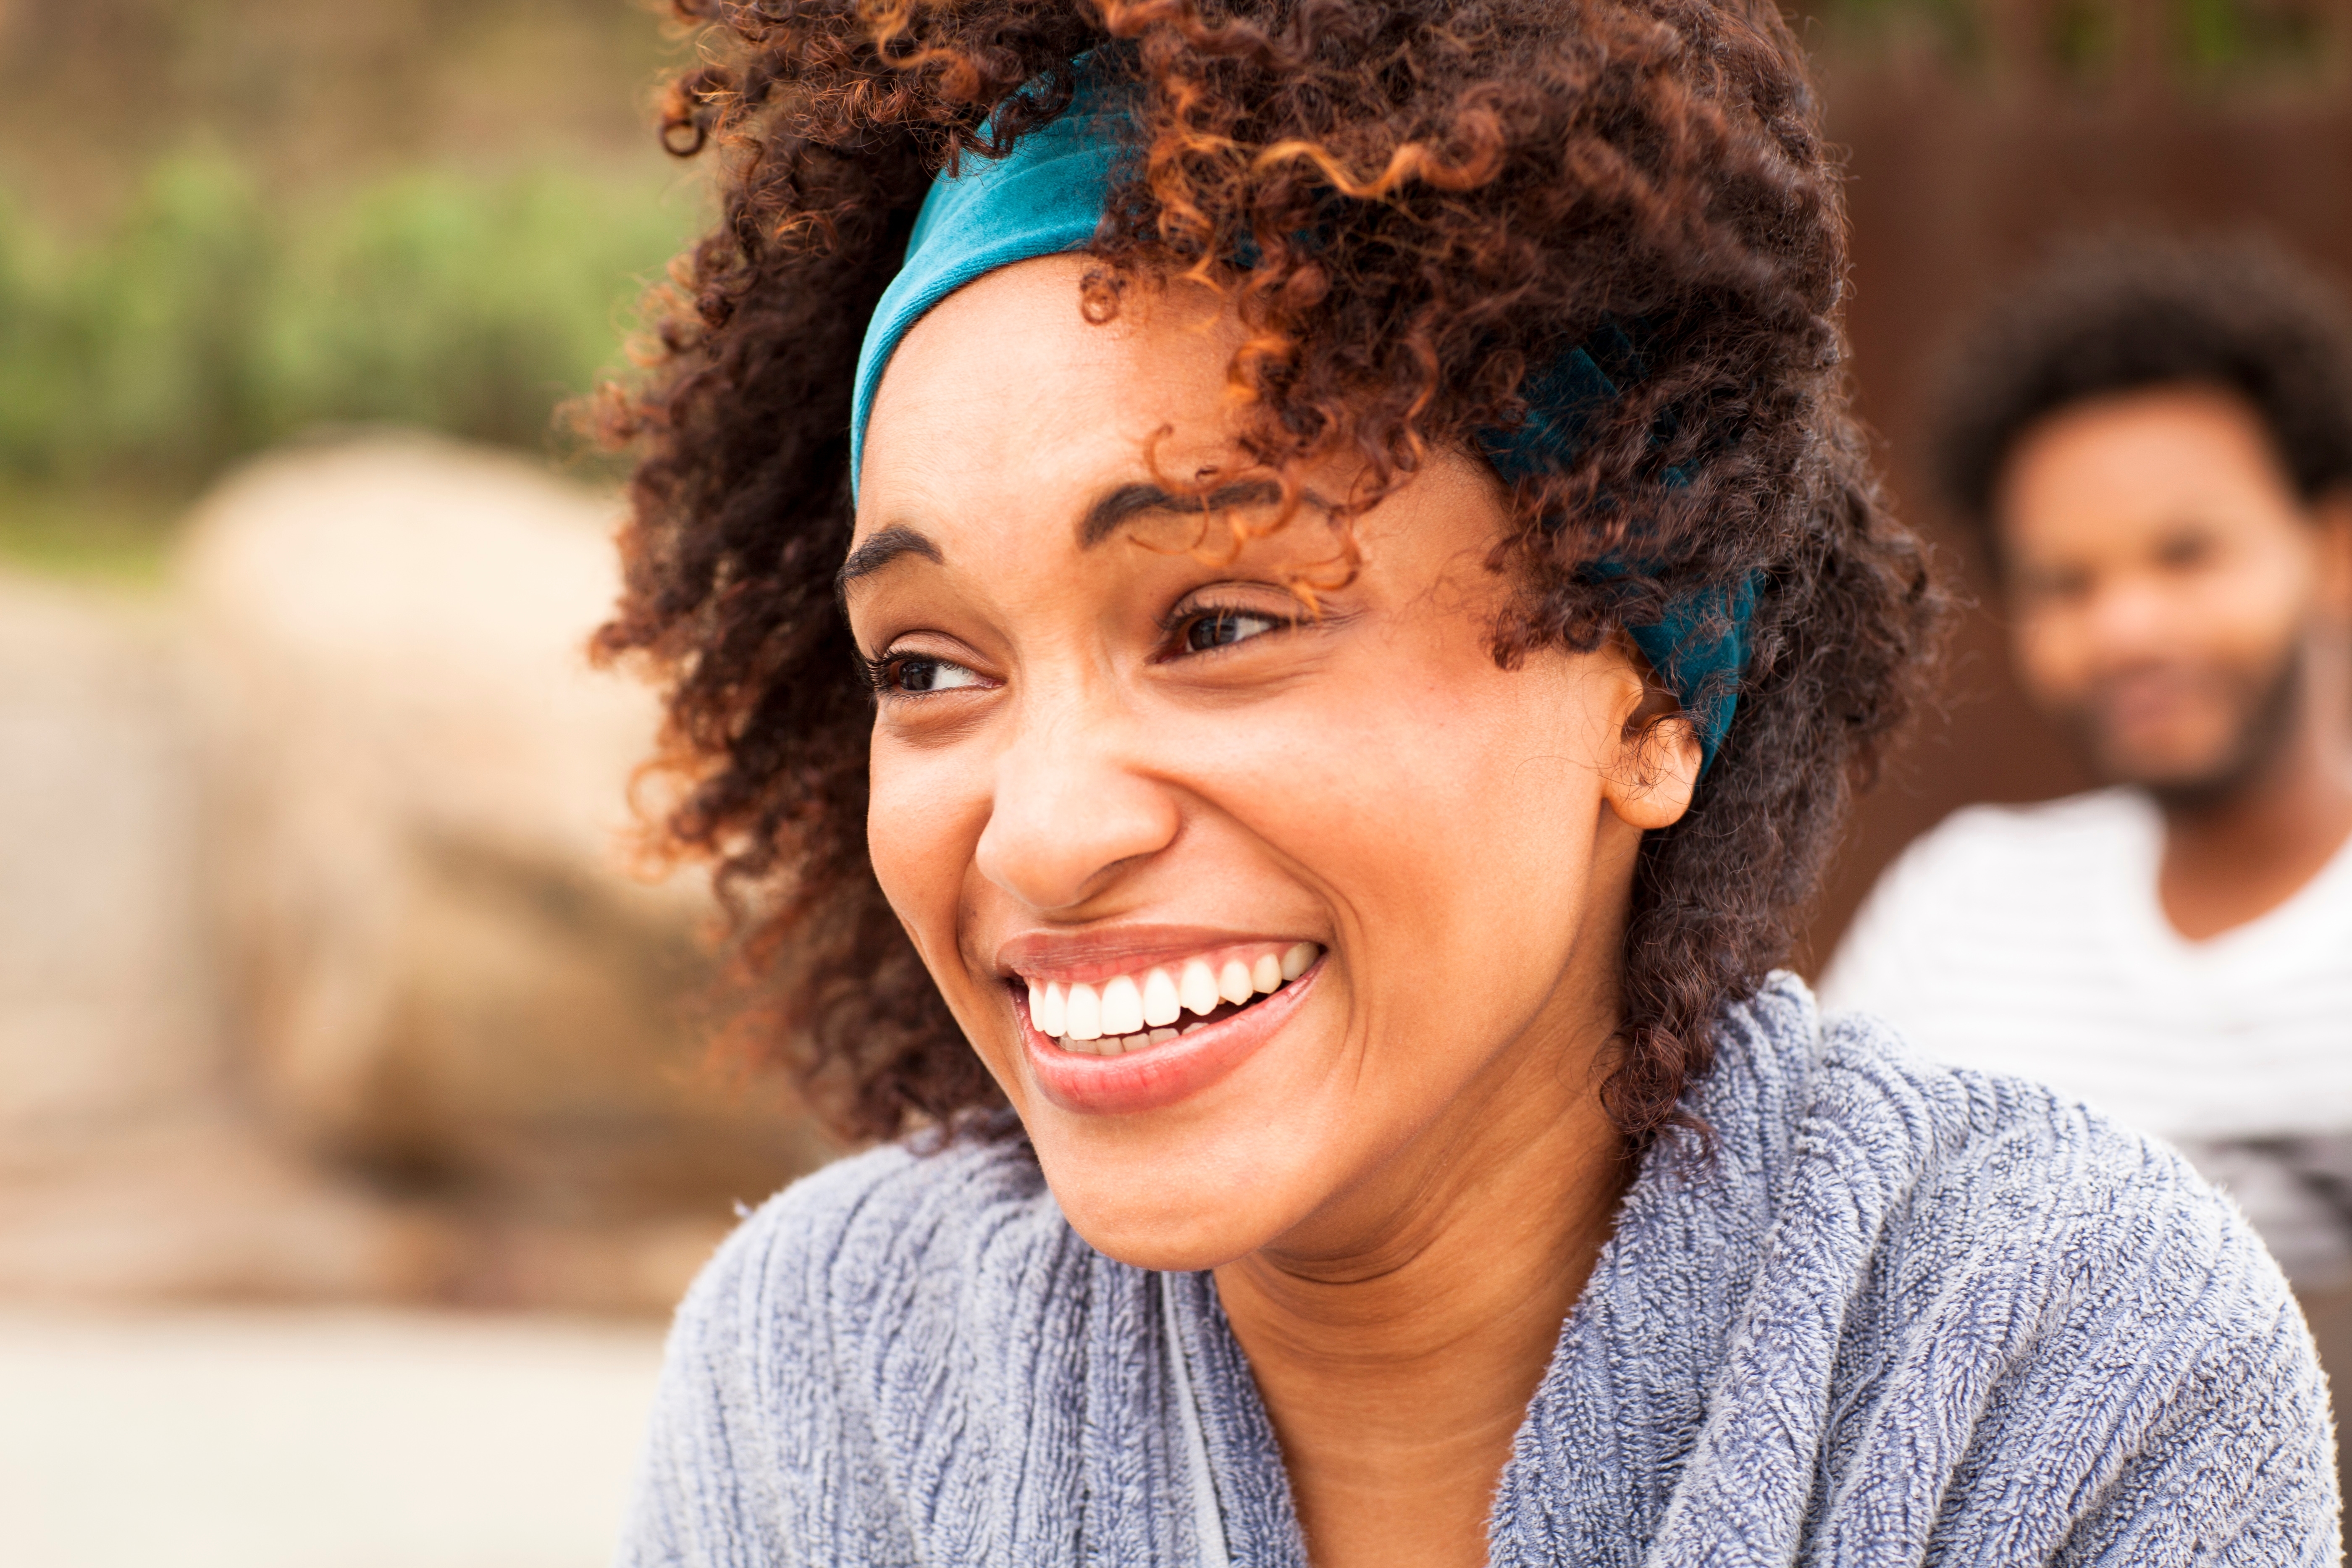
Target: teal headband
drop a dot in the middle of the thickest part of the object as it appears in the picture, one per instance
(1047, 197)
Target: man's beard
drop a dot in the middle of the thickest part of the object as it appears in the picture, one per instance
(2267, 718)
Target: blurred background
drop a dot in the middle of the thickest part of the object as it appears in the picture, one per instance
(356, 1123)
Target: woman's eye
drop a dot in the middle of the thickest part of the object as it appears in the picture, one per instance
(915, 673)
(1222, 628)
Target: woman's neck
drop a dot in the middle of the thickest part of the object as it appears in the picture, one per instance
(1397, 1345)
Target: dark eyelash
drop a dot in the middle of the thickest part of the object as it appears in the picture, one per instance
(874, 670)
(1177, 619)
(884, 673)
(1179, 644)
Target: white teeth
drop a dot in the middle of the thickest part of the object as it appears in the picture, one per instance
(1189, 1028)
(1198, 988)
(1123, 1014)
(1122, 1007)
(1085, 1013)
(1161, 1003)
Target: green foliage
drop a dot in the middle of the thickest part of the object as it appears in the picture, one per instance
(211, 320)
(2206, 43)
(2240, 36)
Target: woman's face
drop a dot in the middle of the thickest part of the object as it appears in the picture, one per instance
(1241, 902)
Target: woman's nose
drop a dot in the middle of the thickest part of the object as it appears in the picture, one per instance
(1071, 804)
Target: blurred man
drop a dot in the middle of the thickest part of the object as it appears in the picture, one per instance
(2158, 446)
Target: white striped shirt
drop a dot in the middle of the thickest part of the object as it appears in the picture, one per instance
(2031, 940)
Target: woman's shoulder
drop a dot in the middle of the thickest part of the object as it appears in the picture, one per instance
(1948, 1162)
(830, 1339)
(1964, 1157)
(1797, 1090)
(2002, 1197)
(2045, 1296)
(2034, 1295)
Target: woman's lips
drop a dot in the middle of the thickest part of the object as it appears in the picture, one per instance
(1163, 1074)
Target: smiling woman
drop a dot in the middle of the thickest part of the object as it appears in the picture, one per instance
(1370, 605)
(1121, 761)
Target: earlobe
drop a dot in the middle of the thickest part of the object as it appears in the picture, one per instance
(1659, 755)
(1657, 772)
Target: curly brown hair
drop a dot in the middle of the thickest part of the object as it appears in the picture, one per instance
(1417, 208)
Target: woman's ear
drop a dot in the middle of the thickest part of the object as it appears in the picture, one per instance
(1658, 760)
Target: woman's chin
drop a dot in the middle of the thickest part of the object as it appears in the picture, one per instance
(1195, 1200)
(1137, 1224)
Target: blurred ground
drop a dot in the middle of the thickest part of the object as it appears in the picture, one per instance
(343, 1439)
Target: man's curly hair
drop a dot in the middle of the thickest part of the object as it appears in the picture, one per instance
(2126, 315)
(1416, 209)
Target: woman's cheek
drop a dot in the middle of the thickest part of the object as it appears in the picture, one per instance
(921, 822)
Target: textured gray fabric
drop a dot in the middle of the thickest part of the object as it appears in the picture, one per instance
(1905, 1314)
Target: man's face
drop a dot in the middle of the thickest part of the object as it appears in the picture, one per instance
(2162, 578)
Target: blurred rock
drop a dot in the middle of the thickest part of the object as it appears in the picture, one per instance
(125, 1171)
(199, 1207)
(446, 975)
(322, 972)
(105, 1010)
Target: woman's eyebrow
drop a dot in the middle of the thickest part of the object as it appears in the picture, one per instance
(1127, 501)
(881, 550)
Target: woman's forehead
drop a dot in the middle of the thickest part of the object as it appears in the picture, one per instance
(1006, 401)
(1012, 356)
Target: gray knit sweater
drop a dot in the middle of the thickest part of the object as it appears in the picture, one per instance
(1905, 1314)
